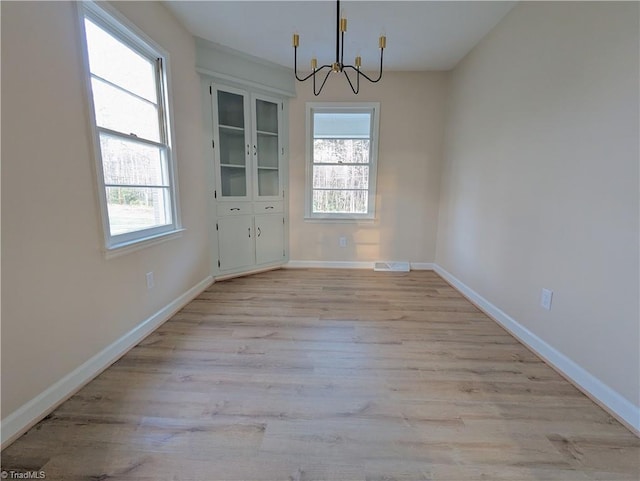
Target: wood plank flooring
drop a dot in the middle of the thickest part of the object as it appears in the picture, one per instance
(329, 375)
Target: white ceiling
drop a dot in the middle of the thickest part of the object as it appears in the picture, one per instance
(421, 35)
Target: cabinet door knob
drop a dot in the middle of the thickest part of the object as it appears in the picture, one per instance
(249, 229)
(259, 232)
(255, 150)
(235, 208)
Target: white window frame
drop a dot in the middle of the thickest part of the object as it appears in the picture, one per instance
(123, 30)
(342, 107)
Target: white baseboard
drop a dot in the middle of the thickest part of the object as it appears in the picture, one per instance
(23, 418)
(328, 265)
(416, 266)
(232, 275)
(610, 400)
(422, 266)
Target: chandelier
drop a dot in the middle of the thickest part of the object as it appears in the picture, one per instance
(338, 66)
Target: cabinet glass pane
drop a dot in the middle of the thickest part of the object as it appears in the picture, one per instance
(231, 109)
(234, 181)
(232, 147)
(267, 182)
(266, 116)
(267, 151)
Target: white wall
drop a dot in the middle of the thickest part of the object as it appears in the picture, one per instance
(228, 65)
(540, 181)
(62, 301)
(412, 106)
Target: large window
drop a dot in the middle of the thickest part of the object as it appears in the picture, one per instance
(341, 160)
(129, 96)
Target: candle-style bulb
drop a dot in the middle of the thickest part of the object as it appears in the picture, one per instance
(358, 61)
(296, 39)
(314, 63)
(382, 42)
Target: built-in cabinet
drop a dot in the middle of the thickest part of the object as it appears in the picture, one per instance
(249, 161)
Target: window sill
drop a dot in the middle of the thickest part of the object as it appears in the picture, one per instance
(125, 248)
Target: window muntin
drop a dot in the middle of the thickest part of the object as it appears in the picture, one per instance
(342, 155)
(123, 112)
(128, 86)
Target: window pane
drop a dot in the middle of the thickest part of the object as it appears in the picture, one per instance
(136, 181)
(120, 111)
(132, 209)
(112, 60)
(342, 160)
(340, 201)
(133, 163)
(348, 151)
(340, 125)
(341, 176)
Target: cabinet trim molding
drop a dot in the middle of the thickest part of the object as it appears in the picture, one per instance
(224, 78)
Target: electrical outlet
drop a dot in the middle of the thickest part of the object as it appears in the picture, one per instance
(150, 281)
(342, 242)
(545, 299)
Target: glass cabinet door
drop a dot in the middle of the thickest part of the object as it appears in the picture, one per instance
(267, 147)
(232, 154)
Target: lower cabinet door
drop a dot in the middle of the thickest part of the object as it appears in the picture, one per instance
(269, 238)
(236, 242)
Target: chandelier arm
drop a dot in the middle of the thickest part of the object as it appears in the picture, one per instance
(312, 74)
(366, 76)
(295, 65)
(357, 89)
(320, 69)
(323, 82)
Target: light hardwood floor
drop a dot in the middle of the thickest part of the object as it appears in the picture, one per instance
(329, 375)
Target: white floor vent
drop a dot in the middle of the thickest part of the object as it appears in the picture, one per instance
(385, 266)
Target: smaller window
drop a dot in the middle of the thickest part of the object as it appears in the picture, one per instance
(342, 145)
(135, 168)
